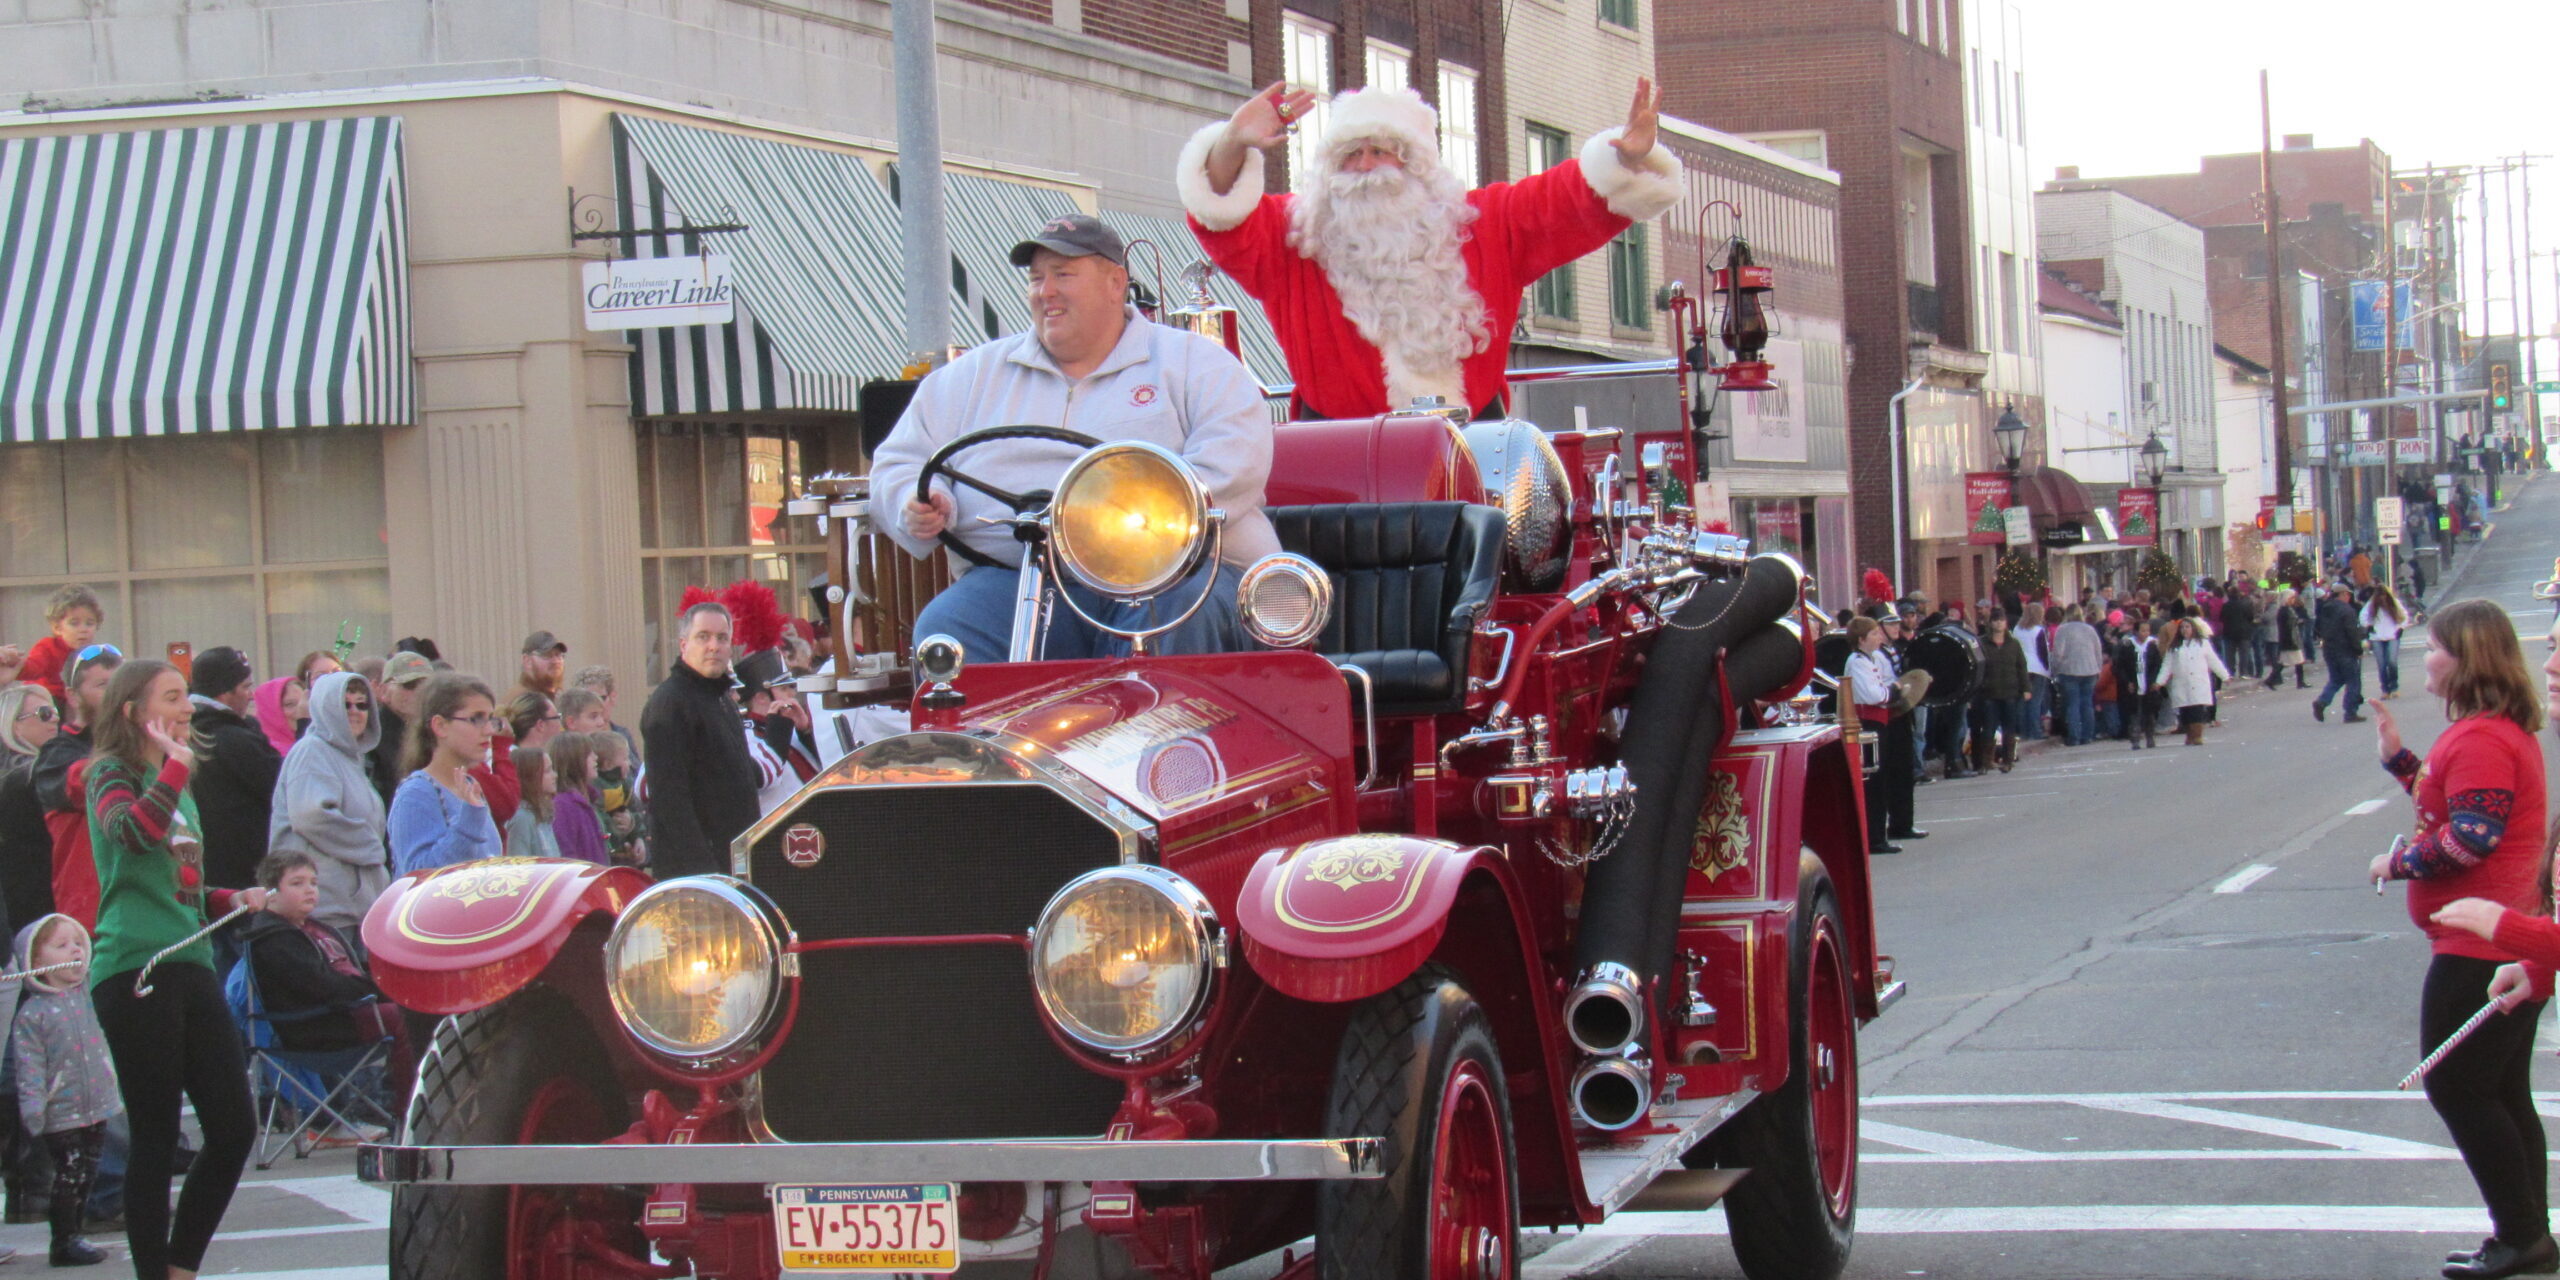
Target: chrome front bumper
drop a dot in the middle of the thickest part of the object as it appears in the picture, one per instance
(1214, 1160)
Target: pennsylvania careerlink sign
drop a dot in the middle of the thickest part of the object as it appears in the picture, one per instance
(656, 293)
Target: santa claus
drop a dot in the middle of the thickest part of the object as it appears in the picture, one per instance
(1386, 280)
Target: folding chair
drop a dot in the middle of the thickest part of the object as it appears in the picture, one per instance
(317, 1091)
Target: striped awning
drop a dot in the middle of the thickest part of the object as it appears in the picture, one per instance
(817, 270)
(1178, 248)
(987, 217)
(226, 278)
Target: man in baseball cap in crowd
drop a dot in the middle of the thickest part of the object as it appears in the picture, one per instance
(395, 701)
(544, 666)
(235, 777)
(1090, 363)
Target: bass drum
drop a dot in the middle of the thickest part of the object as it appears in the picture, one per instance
(1952, 657)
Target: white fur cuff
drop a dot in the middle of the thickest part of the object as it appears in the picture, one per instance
(1191, 180)
(1628, 192)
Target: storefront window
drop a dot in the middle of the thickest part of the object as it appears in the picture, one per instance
(711, 513)
(270, 541)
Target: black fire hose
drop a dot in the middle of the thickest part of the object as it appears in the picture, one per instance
(1675, 726)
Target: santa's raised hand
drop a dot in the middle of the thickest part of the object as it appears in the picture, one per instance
(1265, 118)
(1644, 121)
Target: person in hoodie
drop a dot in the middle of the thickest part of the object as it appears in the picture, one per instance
(325, 804)
(66, 1079)
(235, 782)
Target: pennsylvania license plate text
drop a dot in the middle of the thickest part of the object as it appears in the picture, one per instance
(892, 1227)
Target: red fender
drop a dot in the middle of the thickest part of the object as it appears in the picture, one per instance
(469, 935)
(1350, 916)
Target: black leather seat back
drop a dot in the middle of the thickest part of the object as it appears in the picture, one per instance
(1409, 581)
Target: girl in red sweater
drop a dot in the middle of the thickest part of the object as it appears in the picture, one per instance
(2480, 821)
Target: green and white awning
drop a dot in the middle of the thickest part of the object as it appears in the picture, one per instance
(1174, 244)
(817, 270)
(227, 278)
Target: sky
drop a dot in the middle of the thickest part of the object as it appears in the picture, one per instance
(2150, 87)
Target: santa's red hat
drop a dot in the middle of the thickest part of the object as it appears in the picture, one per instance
(1398, 118)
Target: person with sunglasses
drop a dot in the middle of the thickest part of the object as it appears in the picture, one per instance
(27, 722)
(325, 805)
(439, 815)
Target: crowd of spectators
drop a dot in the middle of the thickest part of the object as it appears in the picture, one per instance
(299, 798)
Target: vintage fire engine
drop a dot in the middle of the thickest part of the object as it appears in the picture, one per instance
(1511, 885)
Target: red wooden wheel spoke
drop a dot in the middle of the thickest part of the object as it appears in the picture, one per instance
(1470, 1186)
(562, 1112)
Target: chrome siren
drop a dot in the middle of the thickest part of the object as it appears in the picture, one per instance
(1523, 474)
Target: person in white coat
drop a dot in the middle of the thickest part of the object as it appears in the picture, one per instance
(2188, 674)
(325, 805)
(2383, 620)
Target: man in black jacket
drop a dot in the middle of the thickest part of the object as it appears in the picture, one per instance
(236, 767)
(2342, 648)
(702, 781)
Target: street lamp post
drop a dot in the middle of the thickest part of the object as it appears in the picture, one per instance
(2010, 433)
(2155, 460)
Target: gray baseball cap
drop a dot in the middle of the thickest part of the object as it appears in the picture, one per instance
(1074, 235)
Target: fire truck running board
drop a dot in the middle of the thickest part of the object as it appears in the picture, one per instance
(1618, 1168)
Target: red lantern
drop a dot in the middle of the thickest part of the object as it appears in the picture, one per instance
(1743, 287)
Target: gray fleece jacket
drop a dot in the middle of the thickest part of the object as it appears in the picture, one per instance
(325, 806)
(66, 1080)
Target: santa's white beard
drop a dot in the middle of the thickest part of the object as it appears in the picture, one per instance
(1389, 239)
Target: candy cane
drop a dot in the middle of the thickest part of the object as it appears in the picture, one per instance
(2429, 1062)
(142, 982)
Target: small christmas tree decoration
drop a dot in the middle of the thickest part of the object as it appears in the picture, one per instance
(2019, 572)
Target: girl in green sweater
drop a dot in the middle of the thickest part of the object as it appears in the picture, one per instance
(179, 1039)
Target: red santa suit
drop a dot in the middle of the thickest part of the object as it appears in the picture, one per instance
(1522, 230)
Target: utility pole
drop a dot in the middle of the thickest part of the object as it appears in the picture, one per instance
(2532, 336)
(928, 245)
(2276, 283)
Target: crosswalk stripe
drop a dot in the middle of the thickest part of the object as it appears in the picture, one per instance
(2294, 1130)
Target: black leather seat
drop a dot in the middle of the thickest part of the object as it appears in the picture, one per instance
(1409, 581)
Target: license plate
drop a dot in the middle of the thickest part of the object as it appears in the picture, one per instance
(839, 1228)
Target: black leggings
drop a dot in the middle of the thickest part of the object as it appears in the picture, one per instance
(180, 1038)
(2483, 1091)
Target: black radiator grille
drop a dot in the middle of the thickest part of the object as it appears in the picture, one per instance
(901, 1044)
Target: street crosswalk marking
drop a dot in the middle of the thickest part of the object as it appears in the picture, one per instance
(1934, 1143)
(2323, 1142)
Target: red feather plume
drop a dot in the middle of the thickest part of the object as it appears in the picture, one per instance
(755, 618)
(1876, 585)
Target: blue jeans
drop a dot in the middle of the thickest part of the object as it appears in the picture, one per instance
(2079, 694)
(2386, 663)
(2039, 705)
(2346, 671)
(977, 611)
(2110, 716)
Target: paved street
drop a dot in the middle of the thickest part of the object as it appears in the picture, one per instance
(2156, 1016)
(2154, 1025)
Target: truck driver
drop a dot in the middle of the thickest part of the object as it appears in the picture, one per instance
(1089, 363)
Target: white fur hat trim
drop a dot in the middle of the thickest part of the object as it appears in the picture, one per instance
(1399, 116)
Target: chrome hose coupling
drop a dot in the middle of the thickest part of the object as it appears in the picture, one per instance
(1604, 1013)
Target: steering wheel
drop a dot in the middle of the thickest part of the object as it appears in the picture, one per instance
(940, 465)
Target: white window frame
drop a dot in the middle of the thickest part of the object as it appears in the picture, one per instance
(1306, 62)
(1460, 145)
(1388, 66)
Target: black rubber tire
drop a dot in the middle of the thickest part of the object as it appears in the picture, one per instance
(1396, 1054)
(1780, 1216)
(482, 1071)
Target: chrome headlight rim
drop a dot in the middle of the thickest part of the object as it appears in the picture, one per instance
(770, 929)
(1208, 940)
(1319, 586)
(1196, 497)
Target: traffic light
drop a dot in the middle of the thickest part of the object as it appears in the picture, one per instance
(2501, 387)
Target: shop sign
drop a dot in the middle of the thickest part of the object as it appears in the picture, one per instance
(1986, 497)
(2138, 517)
(658, 293)
(2019, 524)
(2411, 450)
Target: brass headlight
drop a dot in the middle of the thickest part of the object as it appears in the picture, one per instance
(1124, 957)
(694, 966)
(1129, 520)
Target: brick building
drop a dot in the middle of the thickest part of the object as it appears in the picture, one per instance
(1449, 51)
(1873, 91)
